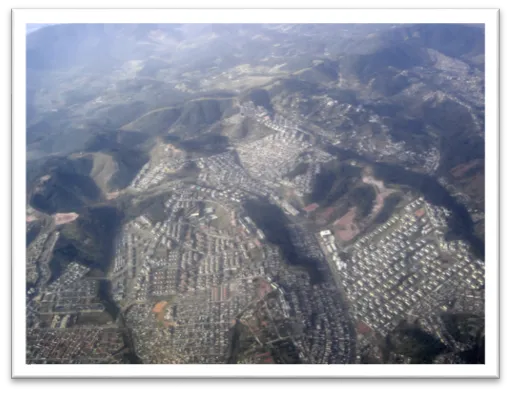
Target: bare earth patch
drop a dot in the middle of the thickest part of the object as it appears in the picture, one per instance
(64, 218)
(325, 215)
(159, 309)
(420, 212)
(112, 195)
(346, 229)
(31, 218)
(311, 207)
(382, 193)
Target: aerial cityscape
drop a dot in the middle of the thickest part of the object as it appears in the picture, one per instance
(255, 194)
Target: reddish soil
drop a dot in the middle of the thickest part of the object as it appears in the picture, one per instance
(327, 213)
(263, 288)
(159, 307)
(382, 192)
(362, 328)
(31, 218)
(64, 218)
(420, 212)
(476, 186)
(311, 207)
(112, 195)
(159, 310)
(347, 234)
(346, 228)
(347, 219)
(460, 170)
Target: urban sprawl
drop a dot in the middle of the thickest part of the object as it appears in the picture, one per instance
(185, 279)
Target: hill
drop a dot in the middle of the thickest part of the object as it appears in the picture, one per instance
(61, 184)
(200, 113)
(155, 122)
(89, 239)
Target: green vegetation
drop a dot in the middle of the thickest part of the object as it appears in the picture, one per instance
(111, 140)
(33, 229)
(325, 73)
(89, 239)
(273, 222)
(155, 122)
(205, 144)
(115, 116)
(260, 97)
(388, 208)
(129, 162)
(202, 112)
(300, 169)
(463, 327)
(363, 198)
(133, 208)
(64, 192)
(334, 181)
(411, 341)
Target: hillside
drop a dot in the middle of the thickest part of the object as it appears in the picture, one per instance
(201, 113)
(256, 193)
(89, 239)
(155, 122)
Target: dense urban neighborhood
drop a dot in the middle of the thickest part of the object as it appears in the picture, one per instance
(186, 279)
(307, 218)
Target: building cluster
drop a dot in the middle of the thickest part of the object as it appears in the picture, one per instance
(153, 173)
(432, 160)
(249, 109)
(185, 276)
(69, 294)
(321, 320)
(281, 123)
(352, 118)
(327, 241)
(407, 269)
(39, 254)
(198, 243)
(286, 206)
(193, 277)
(272, 157)
(316, 306)
(303, 184)
(438, 215)
(194, 327)
(223, 170)
(73, 272)
(146, 176)
(33, 254)
(86, 345)
(306, 245)
(58, 323)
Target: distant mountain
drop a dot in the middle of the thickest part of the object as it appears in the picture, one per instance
(327, 72)
(453, 40)
(114, 88)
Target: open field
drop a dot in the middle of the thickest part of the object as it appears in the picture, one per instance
(64, 218)
(346, 229)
